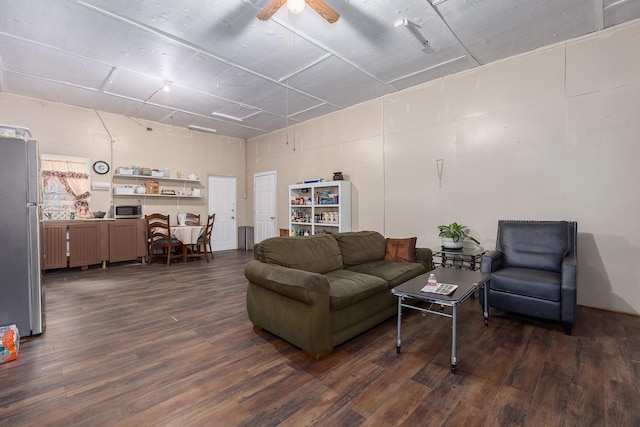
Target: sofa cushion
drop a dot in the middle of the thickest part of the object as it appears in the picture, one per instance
(400, 250)
(393, 273)
(349, 287)
(317, 254)
(359, 247)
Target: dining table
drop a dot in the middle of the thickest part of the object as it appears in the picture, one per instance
(187, 234)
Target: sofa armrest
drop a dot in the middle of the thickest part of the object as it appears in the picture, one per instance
(491, 261)
(292, 304)
(297, 284)
(425, 256)
(569, 289)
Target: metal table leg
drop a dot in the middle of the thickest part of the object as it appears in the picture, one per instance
(398, 343)
(453, 340)
(485, 306)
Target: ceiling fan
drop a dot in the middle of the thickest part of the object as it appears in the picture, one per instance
(296, 6)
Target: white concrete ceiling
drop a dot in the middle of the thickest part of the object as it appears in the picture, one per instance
(243, 77)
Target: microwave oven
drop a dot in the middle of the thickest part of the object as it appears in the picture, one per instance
(127, 211)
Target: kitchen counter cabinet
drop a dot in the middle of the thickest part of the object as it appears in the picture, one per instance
(127, 240)
(88, 243)
(54, 244)
(81, 243)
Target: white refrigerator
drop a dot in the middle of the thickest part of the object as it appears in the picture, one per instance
(21, 290)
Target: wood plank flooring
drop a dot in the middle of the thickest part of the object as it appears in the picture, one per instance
(151, 345)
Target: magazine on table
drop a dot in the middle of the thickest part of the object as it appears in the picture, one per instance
(440, 289)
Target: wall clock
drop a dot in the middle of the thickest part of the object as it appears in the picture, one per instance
(101, 167)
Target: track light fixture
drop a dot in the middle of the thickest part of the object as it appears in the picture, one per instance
(227, 116)
(412, 28)
(202, 129)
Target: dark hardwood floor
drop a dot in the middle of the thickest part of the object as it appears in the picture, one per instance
(151, 345)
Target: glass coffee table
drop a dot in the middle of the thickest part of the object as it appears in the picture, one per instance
(465, 258)
(468, 281)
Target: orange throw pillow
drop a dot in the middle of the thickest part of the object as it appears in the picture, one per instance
(400, 250)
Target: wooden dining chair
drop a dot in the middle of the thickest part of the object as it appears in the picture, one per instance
(193, 250)
(192, 219)
(161, 243)
(206, 237)
(203, 247)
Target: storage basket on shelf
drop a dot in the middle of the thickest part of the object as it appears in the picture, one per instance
(153, 187)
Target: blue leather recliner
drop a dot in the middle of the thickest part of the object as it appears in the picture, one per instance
(534, 270)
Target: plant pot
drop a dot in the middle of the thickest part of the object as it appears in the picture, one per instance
(447, 242)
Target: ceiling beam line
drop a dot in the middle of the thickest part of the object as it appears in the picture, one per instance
(599, 11)
(306, 67)
(427, 69)
(334, 53)
(105, 82)
(452, 33)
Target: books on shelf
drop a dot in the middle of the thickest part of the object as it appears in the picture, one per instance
(441, 289)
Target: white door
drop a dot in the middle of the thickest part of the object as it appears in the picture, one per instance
(222, 202)
(264, 187)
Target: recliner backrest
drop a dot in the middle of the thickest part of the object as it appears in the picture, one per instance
(539, 245)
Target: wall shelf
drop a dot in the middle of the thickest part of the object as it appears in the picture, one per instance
(157, 178)
(139, 195)
(173, 183)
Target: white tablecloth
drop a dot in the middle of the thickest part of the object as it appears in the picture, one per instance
(187, 234)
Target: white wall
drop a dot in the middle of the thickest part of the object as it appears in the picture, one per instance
(71, 131)
(552, 134)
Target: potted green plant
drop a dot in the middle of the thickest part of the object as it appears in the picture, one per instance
(453, 235)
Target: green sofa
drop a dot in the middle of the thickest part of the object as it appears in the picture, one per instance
(317, 292)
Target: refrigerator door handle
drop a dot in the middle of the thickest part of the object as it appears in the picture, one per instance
(36, 294)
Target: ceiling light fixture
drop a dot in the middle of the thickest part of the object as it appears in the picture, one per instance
(166, 87)
(413, 29)
(227, 116)
(202, 129)
(295, 6)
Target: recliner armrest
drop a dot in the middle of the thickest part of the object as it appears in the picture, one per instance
(568, 289)
(569, 272)
(491, 261)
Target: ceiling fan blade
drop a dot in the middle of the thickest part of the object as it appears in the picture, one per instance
(324, 10)
(268, 11)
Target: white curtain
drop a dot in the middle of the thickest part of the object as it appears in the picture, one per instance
(74, 178)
